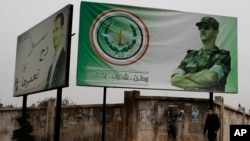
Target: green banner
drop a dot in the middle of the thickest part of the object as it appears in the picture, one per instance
(135, 47)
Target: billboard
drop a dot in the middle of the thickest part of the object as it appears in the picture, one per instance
(42, 56)
(137, 47)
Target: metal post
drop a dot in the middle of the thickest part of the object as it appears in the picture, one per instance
(104, 114)
(58, 115)
(211, 103)
(24, 109)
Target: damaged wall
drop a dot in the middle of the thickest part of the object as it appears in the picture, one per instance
(140, 118)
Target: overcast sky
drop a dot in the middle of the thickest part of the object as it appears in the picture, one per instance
(17, 16)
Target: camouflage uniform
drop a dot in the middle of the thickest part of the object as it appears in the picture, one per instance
(197, 60)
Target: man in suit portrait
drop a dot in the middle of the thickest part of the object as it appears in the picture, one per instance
(57, 71)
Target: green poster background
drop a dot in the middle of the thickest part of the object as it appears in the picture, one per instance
(145, 46)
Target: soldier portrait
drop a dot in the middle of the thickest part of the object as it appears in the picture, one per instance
(207, 68)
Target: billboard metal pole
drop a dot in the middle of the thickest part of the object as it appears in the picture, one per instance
(24, 109)
(58, 114)
(104, 113)
(211, 103)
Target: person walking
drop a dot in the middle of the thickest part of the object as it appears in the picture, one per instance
(212, 125)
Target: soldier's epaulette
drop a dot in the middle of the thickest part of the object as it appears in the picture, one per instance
(226, 52)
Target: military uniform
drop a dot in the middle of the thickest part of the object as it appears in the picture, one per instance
(216, 59)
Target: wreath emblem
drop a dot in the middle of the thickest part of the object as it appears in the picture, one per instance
(119, 37)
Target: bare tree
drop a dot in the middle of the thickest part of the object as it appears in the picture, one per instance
(44, 103)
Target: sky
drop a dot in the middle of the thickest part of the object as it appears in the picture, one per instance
(19, 16)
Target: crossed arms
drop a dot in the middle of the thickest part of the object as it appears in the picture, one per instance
(202, 79)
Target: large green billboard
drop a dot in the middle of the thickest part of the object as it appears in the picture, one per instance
(137, 47)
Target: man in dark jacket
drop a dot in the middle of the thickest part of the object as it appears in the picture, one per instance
(212, 125)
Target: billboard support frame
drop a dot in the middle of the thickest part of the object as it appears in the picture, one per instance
(58, 114)
(24, 108)
(104, 113)
(211, 102)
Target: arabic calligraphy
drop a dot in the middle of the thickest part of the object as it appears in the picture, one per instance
(43, 53)
(117, 76)
(27, 78)
(97, 75)
(35, 44)
(140, 78)
(26, 81)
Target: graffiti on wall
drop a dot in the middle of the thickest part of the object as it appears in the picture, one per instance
(13, 117)
(160, 109)
(65, 117)
(145, 117)
(195, 115)
(43, 120)
(83, 113)
(2, 117)
(118, 114)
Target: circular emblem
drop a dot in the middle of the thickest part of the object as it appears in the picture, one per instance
(119, 37)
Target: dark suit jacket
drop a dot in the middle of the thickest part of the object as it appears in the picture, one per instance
(59, 76)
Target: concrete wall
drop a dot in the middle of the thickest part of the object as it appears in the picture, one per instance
(140, 118)
(165, 119)
(78, 123)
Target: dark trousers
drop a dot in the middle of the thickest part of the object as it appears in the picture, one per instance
(211, 136)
